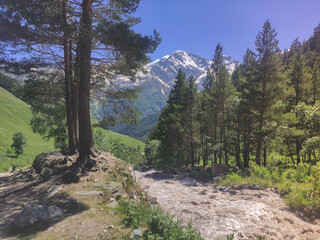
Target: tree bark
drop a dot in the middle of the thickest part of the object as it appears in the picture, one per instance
(86, 146)
(67, 76)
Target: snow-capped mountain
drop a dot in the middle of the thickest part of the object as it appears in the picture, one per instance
(157, 83)
(161, 74)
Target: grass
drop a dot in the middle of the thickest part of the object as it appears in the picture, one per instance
(15, 116)
(110, 136)
(155, 224)
(300, 186)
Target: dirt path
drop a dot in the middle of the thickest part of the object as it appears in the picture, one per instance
(246, 213)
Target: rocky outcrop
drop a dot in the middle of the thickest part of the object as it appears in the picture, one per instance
(35, 213)
(49, 160)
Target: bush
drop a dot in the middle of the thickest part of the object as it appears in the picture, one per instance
(158, 226)
(152, 151)
(19, 142)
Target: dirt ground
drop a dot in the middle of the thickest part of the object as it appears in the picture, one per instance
(245, 213)
(87, 216)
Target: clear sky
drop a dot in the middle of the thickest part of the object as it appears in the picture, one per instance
(197, 26)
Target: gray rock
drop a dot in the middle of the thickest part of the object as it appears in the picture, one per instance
(72, 176)
(186, 211)
(245, 185)
(84, 193)
(34, 213)
(48, 160)
(217, 179)
(136, 234)
(53, 190)
(256, 187)
(113, 204)
(222, 188)
(113, 188)
(46, 172)
(236, 187)
(233, 192)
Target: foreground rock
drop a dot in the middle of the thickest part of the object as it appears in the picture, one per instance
(54, 199)
(243, 211)
(34, 213)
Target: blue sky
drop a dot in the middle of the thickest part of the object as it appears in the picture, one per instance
(197, 26)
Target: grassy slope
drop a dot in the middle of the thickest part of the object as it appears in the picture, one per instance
(122, 138)
(15, 116)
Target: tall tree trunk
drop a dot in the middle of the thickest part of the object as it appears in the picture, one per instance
(298, 148)
(261, 117)
(265, 154)
(67, 76)
(238, 143)
(75, 95)
(215, 153)
(86, 146)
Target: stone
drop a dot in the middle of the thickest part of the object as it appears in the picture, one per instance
(86, 193)
(111, 227)
(136, 234)
(256, 187)
(233, 192)
(113, 188)
(217, 179)
(212, 196)
(307, 211)
(53, 190)
(245, 185)
(222, 188)
(113, 204)
(236, 187)
(72, 176)
(46, 172)
(186, 211)
(49, 160)
(203, 192)
(34, 213)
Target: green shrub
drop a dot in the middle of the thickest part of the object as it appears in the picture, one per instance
(19, 142)
(152, 151)
(158, 226)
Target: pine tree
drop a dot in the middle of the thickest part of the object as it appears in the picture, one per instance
(171, 127)
(267, 48)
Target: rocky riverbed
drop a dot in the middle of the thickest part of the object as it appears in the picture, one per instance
(218, 211)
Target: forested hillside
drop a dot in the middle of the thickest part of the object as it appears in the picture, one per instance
(266, 112)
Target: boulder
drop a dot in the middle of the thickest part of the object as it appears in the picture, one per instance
(136, 234)
(48, 160)
(34, 213)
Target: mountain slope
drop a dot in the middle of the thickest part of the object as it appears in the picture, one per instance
(15, 116)
(157, 83)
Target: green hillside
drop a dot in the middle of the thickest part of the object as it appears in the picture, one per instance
(15, 116)
(109, 136)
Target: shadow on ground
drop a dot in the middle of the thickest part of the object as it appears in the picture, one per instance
(17, 193)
